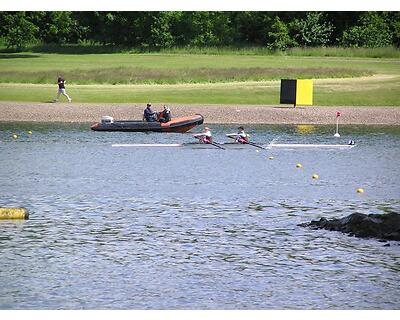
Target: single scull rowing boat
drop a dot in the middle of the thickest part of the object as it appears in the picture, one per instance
(307, 145)
(196, 145)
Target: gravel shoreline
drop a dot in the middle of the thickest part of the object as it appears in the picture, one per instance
(240, 114)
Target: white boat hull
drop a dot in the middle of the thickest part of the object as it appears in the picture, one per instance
(306, 145)
(234, 146)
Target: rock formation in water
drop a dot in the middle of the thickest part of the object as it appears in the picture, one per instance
(380, 226)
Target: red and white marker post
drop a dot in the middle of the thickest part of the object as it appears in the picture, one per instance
(337, 135)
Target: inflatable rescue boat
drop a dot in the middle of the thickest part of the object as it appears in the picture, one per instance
(180, 124)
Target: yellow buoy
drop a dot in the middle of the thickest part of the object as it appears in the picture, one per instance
(13, 213)
(15, 136)
(271, 158)
(360, 190)
(305, 128)
(299, 165)
(29, 132)
(315, 176)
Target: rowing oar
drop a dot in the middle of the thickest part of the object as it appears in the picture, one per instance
(214, 144)
(217, 145)
(250, 143)
(255, 145)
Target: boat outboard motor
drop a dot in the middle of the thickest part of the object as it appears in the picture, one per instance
(107, 120)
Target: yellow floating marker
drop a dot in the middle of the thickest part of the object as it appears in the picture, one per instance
(13, 213)
(15, 136)
(305, 128)
(315, 176)
(29, 132)
(360, 190)
(271, 158)
(299, 165)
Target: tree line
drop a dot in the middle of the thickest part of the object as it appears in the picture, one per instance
(160, 30)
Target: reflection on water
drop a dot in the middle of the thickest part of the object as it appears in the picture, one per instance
(119, 228)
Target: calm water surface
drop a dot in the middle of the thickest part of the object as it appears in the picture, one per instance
(126, 228)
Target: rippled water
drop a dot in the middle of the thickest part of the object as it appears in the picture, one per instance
(126, 228)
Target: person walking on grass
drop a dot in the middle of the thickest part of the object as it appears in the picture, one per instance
(61, 89)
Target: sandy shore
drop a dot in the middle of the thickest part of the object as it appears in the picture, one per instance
(80, 112)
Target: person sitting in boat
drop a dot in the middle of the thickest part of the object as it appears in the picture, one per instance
(205, 136)
(149, 115)
(240, 137)
(165, 115)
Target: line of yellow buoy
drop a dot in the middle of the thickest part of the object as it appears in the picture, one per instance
(315, 176)
(14, 213)
(16, 136)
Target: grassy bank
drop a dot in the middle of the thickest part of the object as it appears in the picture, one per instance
(368, 92)
(174, 68)
(196, 78)
(385, 52)
(129, 75)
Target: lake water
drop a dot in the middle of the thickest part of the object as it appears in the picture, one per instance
(181, 228)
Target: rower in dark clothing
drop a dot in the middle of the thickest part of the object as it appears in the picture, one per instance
(149, 115)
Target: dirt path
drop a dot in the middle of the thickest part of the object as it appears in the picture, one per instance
(64, 112)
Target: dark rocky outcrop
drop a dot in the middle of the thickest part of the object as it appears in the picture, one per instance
(380, 226)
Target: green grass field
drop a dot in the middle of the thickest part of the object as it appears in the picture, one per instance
(197, 78)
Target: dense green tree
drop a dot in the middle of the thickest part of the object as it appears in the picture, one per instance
(17, 30)
(278, 37)
(203, 29)
(371, 31)
(341, 20)
(395, 28)
(53, 26)
(222, 26)
(312, 31)
(251, 28)
(157, 30)
(393, 21)
(160, 30)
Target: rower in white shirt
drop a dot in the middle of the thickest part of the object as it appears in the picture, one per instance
(240, 136)
(205, 136)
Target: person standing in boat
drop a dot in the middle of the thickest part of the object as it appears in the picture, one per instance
(205, 136)
(165, 115)
(61, 89)
(148, 114)
(240, 137)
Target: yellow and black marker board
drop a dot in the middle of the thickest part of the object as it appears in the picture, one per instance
(13, 213)
(297, 92)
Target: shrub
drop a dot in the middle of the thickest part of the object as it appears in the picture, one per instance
(312, 31)
(372, 31)
(18, 31)
(279, 38)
